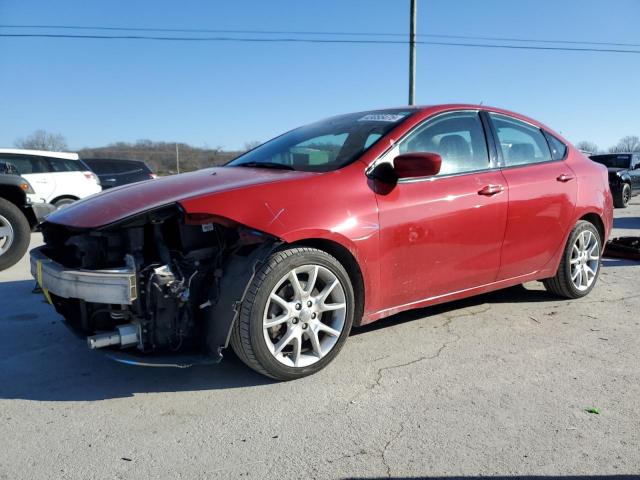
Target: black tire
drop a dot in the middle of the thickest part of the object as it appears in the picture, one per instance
(247, 339)
(63, 202)
(622, 197)
(21, 234)
(561, 283)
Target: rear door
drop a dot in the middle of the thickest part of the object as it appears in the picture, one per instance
(542, 195)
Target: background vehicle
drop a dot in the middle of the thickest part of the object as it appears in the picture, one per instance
(624, 175)
(56, 177)
(19, 214)
(338, 223)
(114, 172)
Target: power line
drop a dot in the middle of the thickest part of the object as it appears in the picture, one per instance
(313, 40)
(347, 34)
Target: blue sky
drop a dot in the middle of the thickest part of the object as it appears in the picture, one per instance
(223, 94)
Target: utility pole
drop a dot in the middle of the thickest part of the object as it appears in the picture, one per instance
(177, 159)
(412, 53)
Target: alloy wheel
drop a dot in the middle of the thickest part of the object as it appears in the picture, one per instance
(6, 235)
(585, 260)
(304, 316)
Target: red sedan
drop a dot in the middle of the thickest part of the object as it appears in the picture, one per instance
(329, 226)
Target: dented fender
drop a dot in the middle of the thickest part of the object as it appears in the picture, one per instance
(311, 208)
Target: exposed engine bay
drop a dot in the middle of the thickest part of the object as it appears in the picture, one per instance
(191, 271)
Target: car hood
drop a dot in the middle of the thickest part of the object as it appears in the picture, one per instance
(128, 200)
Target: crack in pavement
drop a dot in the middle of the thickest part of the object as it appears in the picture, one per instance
(381, 452)
(447, 325)
(604, 300)
(386, 447)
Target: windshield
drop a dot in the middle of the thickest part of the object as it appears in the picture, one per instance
(326, 145)
(613, 161)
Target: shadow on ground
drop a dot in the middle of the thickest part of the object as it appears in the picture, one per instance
(517, 294)
(40, 359)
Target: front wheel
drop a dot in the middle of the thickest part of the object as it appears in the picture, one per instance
(580, 264)
(15, 234)
(296, 315)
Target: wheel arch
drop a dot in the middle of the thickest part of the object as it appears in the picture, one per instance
(595, 219)
(13, 194)
(348, 261)
(64, 197)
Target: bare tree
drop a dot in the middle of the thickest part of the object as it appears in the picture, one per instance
(251, 145)
(586, 146)
(628, 144)
(42, 140)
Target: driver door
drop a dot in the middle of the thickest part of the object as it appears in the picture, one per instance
(444, 233)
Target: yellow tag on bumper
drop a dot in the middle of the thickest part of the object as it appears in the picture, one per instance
(44, 290)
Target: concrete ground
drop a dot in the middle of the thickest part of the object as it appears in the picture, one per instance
(494, 385)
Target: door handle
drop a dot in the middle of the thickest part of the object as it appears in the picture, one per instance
(491, 190)
(564, 178)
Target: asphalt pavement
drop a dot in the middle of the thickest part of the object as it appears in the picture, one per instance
(499, 384)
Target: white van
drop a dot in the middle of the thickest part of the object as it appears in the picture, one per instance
(56, 177)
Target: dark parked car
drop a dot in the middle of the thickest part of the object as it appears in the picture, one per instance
(20, 212)
(114, 172)
(624, 175)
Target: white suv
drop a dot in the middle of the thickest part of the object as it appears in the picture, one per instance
(56, 177)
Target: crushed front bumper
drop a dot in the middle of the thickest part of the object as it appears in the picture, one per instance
(110, 286)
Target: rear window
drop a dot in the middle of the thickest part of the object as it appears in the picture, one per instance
(613, 161)
(107, 167)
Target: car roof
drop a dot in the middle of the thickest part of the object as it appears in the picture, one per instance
(42, 153)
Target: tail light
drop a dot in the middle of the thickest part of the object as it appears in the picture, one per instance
(91, 176)
(153, 175)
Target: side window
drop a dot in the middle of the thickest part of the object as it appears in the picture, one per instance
(64, 165)
(27, 165)
(520, 142)
(457, 137)
(558, 149)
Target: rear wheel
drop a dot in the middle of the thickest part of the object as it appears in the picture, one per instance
(621, 199)
(580, 264)
(63, 202)
(15, 234)
(296, 315)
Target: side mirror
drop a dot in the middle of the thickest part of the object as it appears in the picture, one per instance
(417, 164)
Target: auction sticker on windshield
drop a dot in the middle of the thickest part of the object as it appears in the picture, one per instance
(382, 117)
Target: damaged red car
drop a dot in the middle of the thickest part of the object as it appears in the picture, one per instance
(330, 226)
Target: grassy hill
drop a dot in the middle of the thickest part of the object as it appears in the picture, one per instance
(161, 156)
